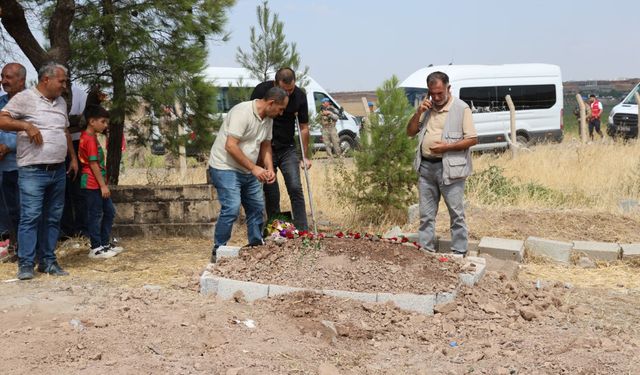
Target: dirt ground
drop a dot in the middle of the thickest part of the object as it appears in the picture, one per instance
(140, 313)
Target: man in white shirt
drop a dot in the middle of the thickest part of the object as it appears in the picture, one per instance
(39, 116)
(240, 161)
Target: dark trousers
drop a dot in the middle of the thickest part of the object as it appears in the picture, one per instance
(74, 216)
(286, 159)
(10, 198)
(99, 217)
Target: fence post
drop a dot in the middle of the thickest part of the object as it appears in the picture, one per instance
(583, 118)
(638, 103)
(366, 122)
(512, 125)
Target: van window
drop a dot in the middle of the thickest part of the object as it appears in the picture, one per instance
(228, 97)
(631, 98)
(491, 98)
(415, 95)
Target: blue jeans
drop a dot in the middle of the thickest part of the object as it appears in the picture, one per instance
(430, 187)
(235, 188)
(41, 205)
(9, 202)
(99, 217)
(286, 159)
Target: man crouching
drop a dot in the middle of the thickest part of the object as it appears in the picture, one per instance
(244, 140)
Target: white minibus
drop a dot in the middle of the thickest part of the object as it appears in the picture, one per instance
(623, 118)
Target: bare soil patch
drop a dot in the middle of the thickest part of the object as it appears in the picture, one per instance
(343, 264)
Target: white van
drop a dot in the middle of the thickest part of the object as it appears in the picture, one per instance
(623, 118)
(236, 84)
(536, 91)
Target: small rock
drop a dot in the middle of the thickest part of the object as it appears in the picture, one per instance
(444, 308)
(528, 314)
(328, 369)
(96, 357)
(330, 325)
(76, 324)
(238, 297)
(235, 371)
(152, 288)
(585, 262)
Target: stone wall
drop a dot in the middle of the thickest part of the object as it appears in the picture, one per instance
(189, 210)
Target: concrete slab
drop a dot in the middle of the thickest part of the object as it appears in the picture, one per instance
(630, 250)
(226, 288)
(412, 237)
(421, 303)
(358, 296)
(208, 283)
(598, 250)
(472, 278)
(227, 252)
(557, 251)
(276, 290)
(446, 297)
(444, 245)
(502, 248)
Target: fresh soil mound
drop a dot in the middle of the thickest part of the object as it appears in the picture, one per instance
(343, 264)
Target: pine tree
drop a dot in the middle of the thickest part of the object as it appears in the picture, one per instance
(383, 179)
(269, 50)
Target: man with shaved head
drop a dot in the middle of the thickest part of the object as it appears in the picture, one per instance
(13, 81)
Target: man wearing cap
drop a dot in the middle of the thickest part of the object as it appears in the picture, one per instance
(329, 116)
(445, 130)
(39, 116)
(283, 144)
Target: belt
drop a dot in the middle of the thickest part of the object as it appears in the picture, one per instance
(432, 160)
(47, 167)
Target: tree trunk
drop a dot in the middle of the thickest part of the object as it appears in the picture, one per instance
(116, 123)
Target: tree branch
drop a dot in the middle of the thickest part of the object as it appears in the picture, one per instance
(15, 22)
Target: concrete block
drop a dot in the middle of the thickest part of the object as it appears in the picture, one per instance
(421, 303)
(502, 248)
(151, 212)
(200, 211)
(125, 213)
(251, 291)
(413, 214)
(446, 297)
(557, 251)
(631, 250)
(393, 232)
(167, 193)
(176, 212)
(412, 237)
(358, 296)
(199, 230)
(444, 245)
(276, 290)
(598, 250)
(227, 252)
(472, 278)
(208, 283)
(198, 192)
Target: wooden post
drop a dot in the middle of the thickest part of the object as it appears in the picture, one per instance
(583, 119)
(366, 122)
(512, 126)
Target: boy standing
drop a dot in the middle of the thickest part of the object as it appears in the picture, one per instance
(93, 182)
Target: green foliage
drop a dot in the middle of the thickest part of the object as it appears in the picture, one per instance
(269, 49)
(384, 178)
(491, 187)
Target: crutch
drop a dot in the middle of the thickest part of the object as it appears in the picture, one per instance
(306, 177)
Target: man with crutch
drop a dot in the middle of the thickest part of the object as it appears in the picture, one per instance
(285, 157)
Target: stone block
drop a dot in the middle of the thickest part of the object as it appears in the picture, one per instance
(252, 291)
(446, 297)
(276, 290)
(208, 283)
(631, 250)
(557, 251)
(502, 248)
(358, 296)
(176, 212)
(227, 252)
(413, 214)
(167, 193)
(412, 237)
(394, 232)
(473, 277)
(151, 212)
(598, 250)
(125, 213)
(199, 230)
(200, 211)
(198, 192)
(444, 245)
(421, 303)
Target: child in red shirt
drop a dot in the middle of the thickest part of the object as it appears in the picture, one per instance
(93, 181)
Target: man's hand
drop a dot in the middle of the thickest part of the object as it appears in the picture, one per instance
(106, 193)
(305, 161)
(439, 147)
(4, 150)
(271, 176)
(261, 174)
(34, 134)
(424, 106)
(73, 167)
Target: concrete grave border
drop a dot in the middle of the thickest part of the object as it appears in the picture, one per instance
(421, 303)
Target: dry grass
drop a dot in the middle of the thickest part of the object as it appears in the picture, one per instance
(615, 275)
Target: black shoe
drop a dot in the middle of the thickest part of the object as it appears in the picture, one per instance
(257, 243)
(41, 268)
(25, 273)
(55, 270)
(463, 253)
(213, 254)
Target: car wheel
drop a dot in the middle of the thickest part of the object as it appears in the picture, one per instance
(347, 143)
(522, 141)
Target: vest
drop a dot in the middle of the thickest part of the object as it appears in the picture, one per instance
(456, 165)
(595, 109)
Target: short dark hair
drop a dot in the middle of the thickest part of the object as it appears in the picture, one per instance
(95, 111)
(592, 96)
(276, 94)
(285, 75)
(437, 76)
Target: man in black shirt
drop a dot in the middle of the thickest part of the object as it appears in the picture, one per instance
(283, 145)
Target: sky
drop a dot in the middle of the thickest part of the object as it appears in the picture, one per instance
(354, 45)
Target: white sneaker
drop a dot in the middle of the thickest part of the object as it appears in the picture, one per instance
(115, 248)
(101, 253)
